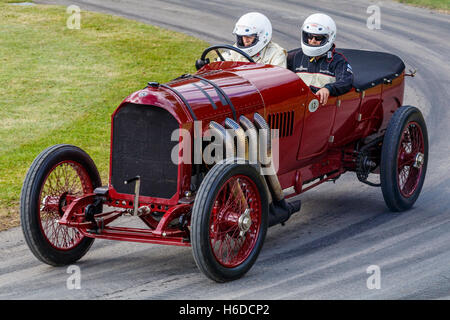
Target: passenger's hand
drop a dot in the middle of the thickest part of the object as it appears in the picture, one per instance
(323, 94)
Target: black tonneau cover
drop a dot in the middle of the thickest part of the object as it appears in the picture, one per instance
(371, 68)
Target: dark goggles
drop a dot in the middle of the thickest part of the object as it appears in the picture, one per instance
(317, 37)
(322, 38)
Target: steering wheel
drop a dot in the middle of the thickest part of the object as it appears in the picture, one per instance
(202, 61)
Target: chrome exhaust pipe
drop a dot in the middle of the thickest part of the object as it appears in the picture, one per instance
(252, 135)
(266, 157)
(279, 209)
(239, 133)
(227, 139)
(231, 152)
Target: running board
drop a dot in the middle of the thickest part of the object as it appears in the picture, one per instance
(140, 235)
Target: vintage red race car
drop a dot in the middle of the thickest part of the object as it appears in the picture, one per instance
(222, 205)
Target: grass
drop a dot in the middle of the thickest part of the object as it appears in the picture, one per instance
(15, 1)
(59, 85)
(443, 5)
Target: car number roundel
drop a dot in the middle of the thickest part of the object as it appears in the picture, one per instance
(313, 105)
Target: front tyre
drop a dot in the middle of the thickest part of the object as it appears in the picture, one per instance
(404, 158)
(229, 221)
(57, 176)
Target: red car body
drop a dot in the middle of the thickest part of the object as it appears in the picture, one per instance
(312, 144)
(316, 144)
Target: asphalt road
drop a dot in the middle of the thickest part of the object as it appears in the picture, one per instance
(343, 230)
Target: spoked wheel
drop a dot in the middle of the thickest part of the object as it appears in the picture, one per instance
(229, 221)
(404, 158)
(59, 175)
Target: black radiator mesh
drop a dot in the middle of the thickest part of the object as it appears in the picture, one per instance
(142, 146)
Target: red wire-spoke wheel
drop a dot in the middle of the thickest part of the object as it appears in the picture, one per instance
(404, 158)
(410, 159)
(235, 221)
(65, 182)
(229, 221)
(58, 176)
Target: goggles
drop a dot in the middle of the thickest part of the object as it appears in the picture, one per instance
(321, 38)
(317, 37)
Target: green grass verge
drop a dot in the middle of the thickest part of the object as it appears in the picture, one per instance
(15, 1)
(433, 4)
(61, 86)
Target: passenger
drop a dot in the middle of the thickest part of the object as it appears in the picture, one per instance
(254, 36)
(317, 63)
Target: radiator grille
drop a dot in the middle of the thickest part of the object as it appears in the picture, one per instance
(283, 121)
(142, 146)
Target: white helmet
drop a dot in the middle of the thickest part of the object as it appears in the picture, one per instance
(253, 24)
(323, 26)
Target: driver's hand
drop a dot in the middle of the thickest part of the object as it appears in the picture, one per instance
(323, 94)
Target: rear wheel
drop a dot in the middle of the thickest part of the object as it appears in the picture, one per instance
(404, 158)
(229, 221)
(59, 175)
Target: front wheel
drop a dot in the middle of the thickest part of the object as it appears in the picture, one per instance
(229, 221)
(59, 175)
(404, 158)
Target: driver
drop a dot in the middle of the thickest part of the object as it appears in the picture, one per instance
(317, 63)
(253, 33)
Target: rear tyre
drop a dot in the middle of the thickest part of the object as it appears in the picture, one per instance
(404, 158)
(229, 221)
(59, 175)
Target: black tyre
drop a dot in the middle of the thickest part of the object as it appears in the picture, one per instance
(56, 177)
(229, 221)
(404, 158)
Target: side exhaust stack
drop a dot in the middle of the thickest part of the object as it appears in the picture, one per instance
(279, 209)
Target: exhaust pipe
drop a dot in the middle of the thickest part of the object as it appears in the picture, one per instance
(279, 210)
(227, 139)
(266, 158)
(252, 135)
(240, 137)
